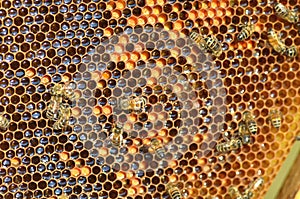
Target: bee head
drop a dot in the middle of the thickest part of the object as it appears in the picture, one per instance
(270, 31)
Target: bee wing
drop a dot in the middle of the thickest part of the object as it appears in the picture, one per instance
(107, 142)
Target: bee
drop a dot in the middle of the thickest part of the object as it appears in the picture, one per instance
(229, 145)
(213, 45)
(157, 146)
(173, 191)
(65, 114)
(234, 193)
(291, 51)
(63, 90)
(135, 104)
(276, 43)
(275, 118)
(117, 134)
(4, 123)
(250, 122)
(209, 44)
(244, 133)
(254, 188)
(68, 93)
(53, 108)
(285, 13)
(246, 32)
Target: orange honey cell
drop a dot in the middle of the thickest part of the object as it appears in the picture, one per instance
(75, 172)
(85, 171)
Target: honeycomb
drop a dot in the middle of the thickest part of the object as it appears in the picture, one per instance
(114, 49)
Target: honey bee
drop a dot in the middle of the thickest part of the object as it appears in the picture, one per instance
(3, 122)
(117, 134)
(246, 32)
(63, 90)
(254, 188)
(53, 108)
(229, 145)
(212, 44)
(173, 191)
(276, 43)
(291, 51)
(234, 193)
(250, 122)
(285, 13)
(65, 114)
(157, 146)
(68, 93)
(209, 44)
(135, 104)
(244, 133)
(275, 118)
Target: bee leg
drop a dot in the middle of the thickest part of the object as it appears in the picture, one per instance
(269, 120)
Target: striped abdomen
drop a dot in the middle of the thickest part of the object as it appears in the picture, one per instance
(276, 122)
(223, 147)
(59, 124)
(292, 51)
(276, 43)
(213, 45)
(174, 193)
(160, 152)
(245, 33)
(252, 127)
(196, 37)
(281, 10)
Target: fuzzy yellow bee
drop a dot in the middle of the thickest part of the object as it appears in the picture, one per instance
(53, 108)
(212, 44)
(135, 104)
(65, 114)
(246, 32)
(208, 44)
(244, 133)
(173, 191)
(229, 145)
(4, 123)
(116, 136)
(285, 13)
(250, 122)
(276, 43)
(234, 193)
(254, 188)
(63, 90)
(158, 147)
(275, 117)
(68, 92)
